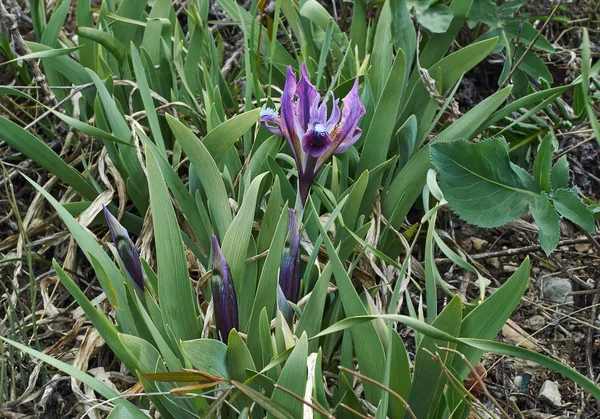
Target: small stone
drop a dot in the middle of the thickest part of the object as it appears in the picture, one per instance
(549, 393)
(495, 262)
(536, 322)
(478, 243)
(556, 289)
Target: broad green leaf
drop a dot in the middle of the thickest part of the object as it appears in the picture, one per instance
(293, 378)
(379, 134)
(105, 39)
(399, 374)
(381, 129)
(208, 173)
(440, 42)
(404, 35)
(207, 355)
(88, 55)
(220, 139)
(381, 53)
(543, 163)
(569, 206)
(436, 18)
(182, 195)
(175, 292)
(148, 360)
(559, 176)
(238, 357)
(534, 66)
(406, 138)
(43, 155)
(481, 184)
(486, 320)
(88, 380)
(235, 248)
(409, 182)
(548, 222)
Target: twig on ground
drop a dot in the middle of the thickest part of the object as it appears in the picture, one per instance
(519, 250)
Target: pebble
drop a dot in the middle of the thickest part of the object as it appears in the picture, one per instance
(549, 393)
(556, 288)
(536, 322)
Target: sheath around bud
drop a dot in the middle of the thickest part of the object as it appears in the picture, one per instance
(126, 249)
(223, 294)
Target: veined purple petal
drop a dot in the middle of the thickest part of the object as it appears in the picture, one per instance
(316, 141)
(307, 98)
(126, 249)
(289, 270)
(351, 113)
(270, 120)
(335, 115)
(224, 298)
(289, 121)
(347, 144)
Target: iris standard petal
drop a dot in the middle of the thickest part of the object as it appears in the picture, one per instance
(270, 120)
(316, 141)
(289, 269)
(335, 115)
(224, 298)
(289, 121)
(126, 249)
(307, 96)
(351, 113)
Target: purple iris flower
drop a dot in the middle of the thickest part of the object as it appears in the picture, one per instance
(303, 122)
(223, 294)
(126, 249)
(289, 269)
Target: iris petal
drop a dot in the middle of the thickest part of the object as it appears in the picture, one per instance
(270, 120)
(288, 114)
(316, 141)
(307, 96)
(351, 113)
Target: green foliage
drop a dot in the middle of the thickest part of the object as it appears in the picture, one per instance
(486, 189)
(190, 160)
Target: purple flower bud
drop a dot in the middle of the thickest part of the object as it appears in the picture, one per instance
(223, 294)
(126, 249)
(289, 269)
